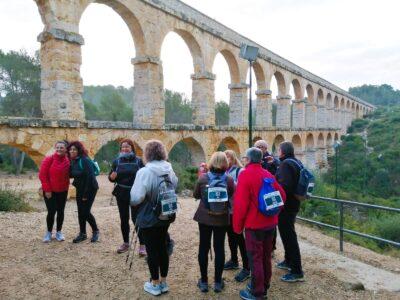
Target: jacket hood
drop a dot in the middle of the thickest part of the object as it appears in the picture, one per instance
(159, 167)
(286, 157)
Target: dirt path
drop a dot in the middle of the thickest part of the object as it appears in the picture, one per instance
(30, 269)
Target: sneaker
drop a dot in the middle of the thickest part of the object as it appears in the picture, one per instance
(123, 248)
(142, 251)
(59, 236)
(291, 277)
(247, 295)
(249, 288)
(203, 286)
(152, 289)
(170, 247)
(283, 266)
(219, 286)
(95, 237)
(80, 238)
(242, 275)
(164, 287)
(230, 265)
(47, 237)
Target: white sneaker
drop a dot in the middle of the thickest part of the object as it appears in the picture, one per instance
(152, 289)
(164, 287)
(59, 236)
(47, 237)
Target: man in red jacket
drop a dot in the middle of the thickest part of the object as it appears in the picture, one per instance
(259, 228)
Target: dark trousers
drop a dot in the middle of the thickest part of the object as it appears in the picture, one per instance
(156, 247)
(237, 240)
(259, 249)
(56, 204)
(274, 240)
(123, 201)
(218, 233)
(289, 241)
(84, 214)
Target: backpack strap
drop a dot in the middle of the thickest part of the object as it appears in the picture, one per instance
(118, 162)
(237, 172)
(300, 165)
(80, 163)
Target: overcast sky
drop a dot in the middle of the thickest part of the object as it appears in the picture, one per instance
(347, 42)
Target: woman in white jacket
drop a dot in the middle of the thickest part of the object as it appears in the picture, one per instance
(155, 230)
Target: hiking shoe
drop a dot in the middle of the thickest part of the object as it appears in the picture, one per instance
(152, 289)
(95, 237)
(203, 286)
(80, 238)
(242, 275)
(47, 237)
(142, 251)
(59, 236)
(291, 277)
(123, 248)
(164, 287)
(247, 295)
(283, 266)
(230, 265)
(170, 247)
(249, 288)
(219, 286)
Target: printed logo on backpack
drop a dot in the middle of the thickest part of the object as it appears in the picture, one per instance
(269, 199)
(217, 194)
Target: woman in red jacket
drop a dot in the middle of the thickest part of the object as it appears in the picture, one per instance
(54, 176)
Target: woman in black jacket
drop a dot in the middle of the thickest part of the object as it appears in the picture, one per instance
(123, 174)
(83, 172)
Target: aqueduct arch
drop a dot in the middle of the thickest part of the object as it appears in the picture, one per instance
(231, 144)
(149, 22)
(197, 154)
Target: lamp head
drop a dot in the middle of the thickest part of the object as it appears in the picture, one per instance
(248, 52)
(337, 144)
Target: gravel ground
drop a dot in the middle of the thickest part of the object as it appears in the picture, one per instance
(30, 269)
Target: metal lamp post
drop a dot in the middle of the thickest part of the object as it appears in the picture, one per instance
(250, 53)
(336, 146)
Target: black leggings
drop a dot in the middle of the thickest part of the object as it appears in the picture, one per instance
(237, 240)
(56, 204)
(123, 201)
(156, 247)
(218, 233)
(84, 214)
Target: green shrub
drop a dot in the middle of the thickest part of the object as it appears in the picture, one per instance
(388, 228)
(13, 200)
(187, 176)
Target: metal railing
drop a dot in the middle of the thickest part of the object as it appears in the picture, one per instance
(343, 230)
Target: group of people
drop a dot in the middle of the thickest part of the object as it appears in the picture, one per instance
(228, 191)
(246, 227)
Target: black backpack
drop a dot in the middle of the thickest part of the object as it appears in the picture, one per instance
(305, 185)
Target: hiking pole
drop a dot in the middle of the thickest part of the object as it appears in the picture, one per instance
(130, 246)
(211, 256)
(112, 200)
(134, 248)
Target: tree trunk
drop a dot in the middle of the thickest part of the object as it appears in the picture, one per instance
(14, 158)
(21, 163)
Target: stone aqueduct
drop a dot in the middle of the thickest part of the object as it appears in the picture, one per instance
(313, 118)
